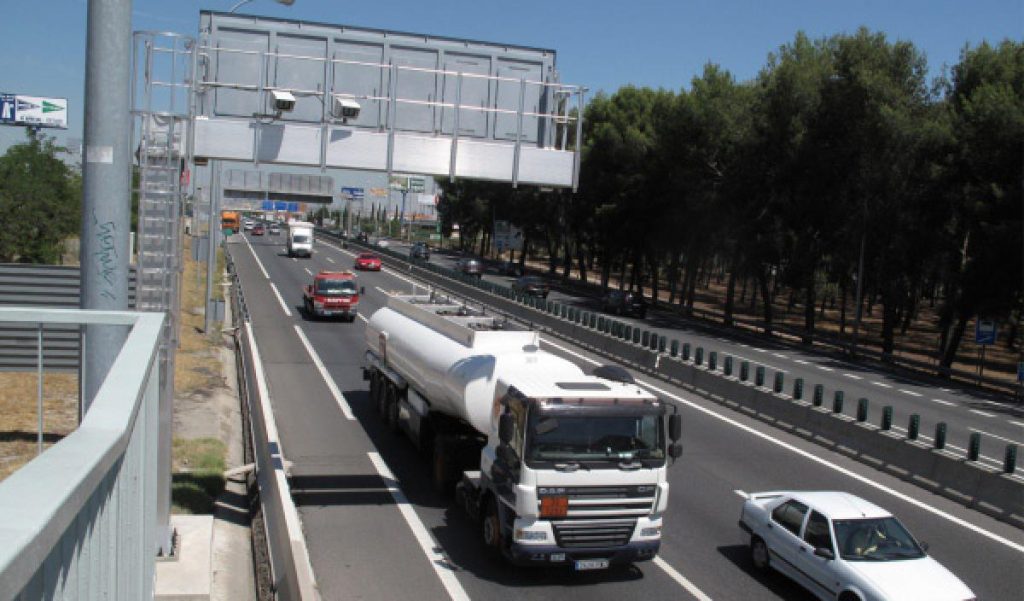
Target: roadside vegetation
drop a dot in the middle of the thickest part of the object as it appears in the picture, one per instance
(762, 199)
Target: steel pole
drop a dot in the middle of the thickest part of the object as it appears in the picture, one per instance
(211, 245)
(106, 182)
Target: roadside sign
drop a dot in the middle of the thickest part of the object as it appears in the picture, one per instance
(417, 184)
(379, 192)
(293, 207)
(280, 205)
(268, 205)
(985, 331)
(507, 236)
(398, 182)
(353, 193)
(34, 111)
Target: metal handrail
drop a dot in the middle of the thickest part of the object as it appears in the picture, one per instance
(89, 502)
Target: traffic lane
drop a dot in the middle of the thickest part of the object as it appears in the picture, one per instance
(721, 458)
(482, 577)
(340, 497)
(757, 469)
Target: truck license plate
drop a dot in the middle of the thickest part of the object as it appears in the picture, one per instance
(591, 564)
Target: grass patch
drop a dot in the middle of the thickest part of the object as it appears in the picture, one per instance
(19, 418)
(198, 475)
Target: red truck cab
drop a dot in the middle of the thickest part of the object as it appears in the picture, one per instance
(332, 294)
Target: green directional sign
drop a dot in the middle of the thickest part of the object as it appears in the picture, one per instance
(49, 107)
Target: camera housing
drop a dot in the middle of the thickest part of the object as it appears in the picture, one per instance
(283, 101)
(344, 108)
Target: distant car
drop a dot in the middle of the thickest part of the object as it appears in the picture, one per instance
(368, 262)
(274, 229)
(420, 250)
(839, 546)
(383, 242)
(621, 302)
(532, 285)
(470, 266)
(258, 230)
(247, 225)
(510, 268)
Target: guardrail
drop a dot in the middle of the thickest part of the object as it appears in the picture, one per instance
(79, 521)
(290, 574)
(961, 478)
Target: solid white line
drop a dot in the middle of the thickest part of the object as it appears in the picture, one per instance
(882, 384)
(440, 563)
(338, 397)
(330, 259)
(855, 377)
(280, 299)
(258, 262)
(741, 494)
(680, 579)
(997, 436)
(910, 392)
(981, 413)
(308, 271)
(942, 402)
(361, 316)
(815, 458)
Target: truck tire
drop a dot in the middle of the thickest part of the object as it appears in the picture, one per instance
(490, 527)
(441, 470)
(391, 406)
(759, 554)
(375, 391)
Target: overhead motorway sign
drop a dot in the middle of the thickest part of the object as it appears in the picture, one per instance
(268, 205)
(280, 205)
(33, 111)
(985, 331)
(354, 193)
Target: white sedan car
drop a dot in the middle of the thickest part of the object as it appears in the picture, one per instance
(841, 547)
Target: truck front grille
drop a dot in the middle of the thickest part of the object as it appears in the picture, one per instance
(580, 534)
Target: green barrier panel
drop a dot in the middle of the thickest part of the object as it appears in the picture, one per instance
(819, 395)
(914, 427)
(645, 338)
(636, 335)
(565, 311)
(712, 361)
(1010, 459)
(654, 342)
(593, 320)
(974, 446)
(759, 376)
(698, 356)
(686, 351)
(728, 365)
(744, 371)
(862, 409)
(887, 418)
(661, 344)
(837, 402)
(674, 348)
(940, 435)
(777, 384)
(798, 388)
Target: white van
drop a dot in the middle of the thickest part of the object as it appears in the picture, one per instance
(300, 239)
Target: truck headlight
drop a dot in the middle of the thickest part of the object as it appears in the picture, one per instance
(530, 535)
(652, 531)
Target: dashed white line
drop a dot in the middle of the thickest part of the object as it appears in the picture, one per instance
(943, 402)
(308, 271)
(680, 579)
(882, 384)
(330, 260)
(823, 368)
(779, 355)
(760, 350)
(440, 563)
(801, 361)
(744, 345)
(1021, 424)
(742, 494)
(756, 362)
(295, 260)
(280, 299)
(338, 397)
(815, 458)
(996, 436)
(981, 413)
(853, 376)
(910, 392)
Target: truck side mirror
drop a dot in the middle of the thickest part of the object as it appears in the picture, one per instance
(675, 427)
(675, 450)
(506, 428)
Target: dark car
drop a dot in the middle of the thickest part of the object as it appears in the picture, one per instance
(363, 237)
(622, 302)
(258, 229)
(420, 250)
(470, 266)
(531, 285)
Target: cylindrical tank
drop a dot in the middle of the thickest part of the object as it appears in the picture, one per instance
(458, 379)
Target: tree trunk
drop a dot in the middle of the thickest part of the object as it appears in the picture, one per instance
(766, 301)
(552, 244)
(567, 257)
(809, 306)
(581, 259)
(953, 343)
(842, 306)
(655, 276)
(673, 278)
(890, 317)
(730, 290)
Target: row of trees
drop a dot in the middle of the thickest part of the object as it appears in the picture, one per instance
(40, 201)
(839, 152)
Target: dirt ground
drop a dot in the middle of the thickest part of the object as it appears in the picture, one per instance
(19, 414)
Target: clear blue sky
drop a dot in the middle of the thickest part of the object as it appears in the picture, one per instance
(601, 44)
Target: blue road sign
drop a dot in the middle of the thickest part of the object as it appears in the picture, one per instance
(985, 331)
(354, 193)
(280, 206)
(293, 207)
(268, 205)
(7, 104)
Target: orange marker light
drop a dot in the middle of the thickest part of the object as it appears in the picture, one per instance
(554, 507)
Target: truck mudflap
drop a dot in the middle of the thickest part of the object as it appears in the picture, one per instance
(583, 559)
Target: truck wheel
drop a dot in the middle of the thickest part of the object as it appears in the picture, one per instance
(391, 405)
(490, 527)
(441, 471)
(759, 554)
(375, 390)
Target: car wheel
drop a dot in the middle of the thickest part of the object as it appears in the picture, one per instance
(759, 554)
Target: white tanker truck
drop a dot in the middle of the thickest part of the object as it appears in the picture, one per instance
(560, 467)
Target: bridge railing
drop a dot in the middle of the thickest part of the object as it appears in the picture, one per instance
(79, 521)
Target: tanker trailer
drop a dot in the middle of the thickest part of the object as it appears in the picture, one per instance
(557, 466)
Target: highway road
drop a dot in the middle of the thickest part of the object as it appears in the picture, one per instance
(999, 420)
(376, 530)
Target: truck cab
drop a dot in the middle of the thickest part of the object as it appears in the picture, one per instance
(332, 294)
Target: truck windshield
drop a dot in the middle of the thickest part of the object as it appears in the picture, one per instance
(299, 238)
(556, 437)
(335, 287)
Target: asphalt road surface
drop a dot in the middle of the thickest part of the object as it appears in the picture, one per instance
(376, 530)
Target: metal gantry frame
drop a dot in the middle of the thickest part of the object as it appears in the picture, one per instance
(162, 106)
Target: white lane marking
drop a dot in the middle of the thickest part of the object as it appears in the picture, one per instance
(724, 339)
(360, 316)
(1021, 424)
(981, 413)
(741, 493)
(823, 368)
(295, 260)
(308, 271)
(744, 345)
(779, 355)
(280, 299)
(756, 362)
(441, 564)
(946, 389)
(680, 579)
(942, 402)
(258, 262)
(812, 457)
(855, 377)
(882, 384)
(338, 397)
(996, 436)
(330, 260)
(801, 362)
(910, 392)
(760, 350)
